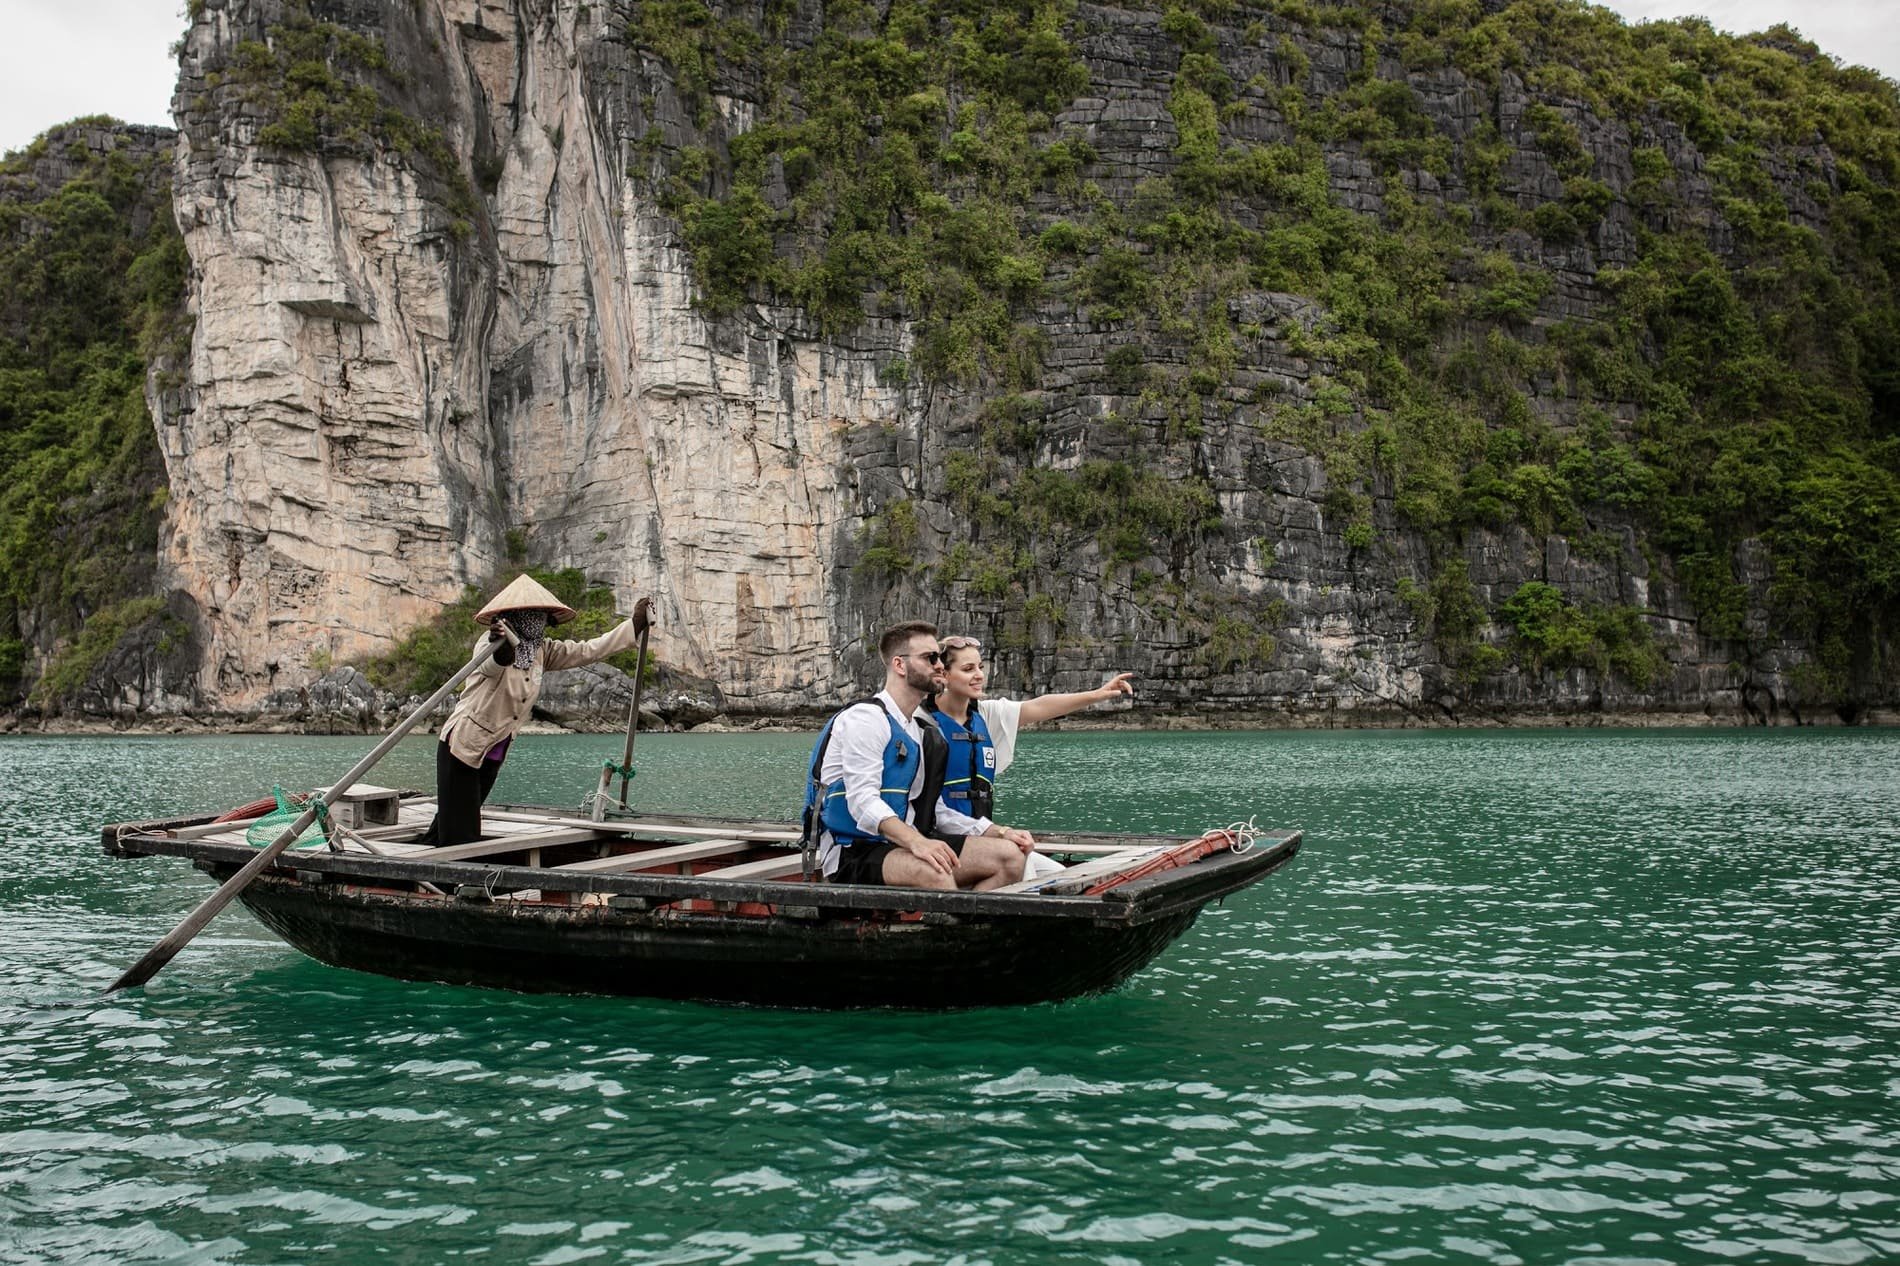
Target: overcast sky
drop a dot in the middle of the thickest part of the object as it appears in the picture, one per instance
(65, 58)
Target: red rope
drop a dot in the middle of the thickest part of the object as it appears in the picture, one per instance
(1180, 855)
(258, 808)
(255, 809)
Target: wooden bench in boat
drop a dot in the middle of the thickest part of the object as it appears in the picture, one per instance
(762, 835)
(512, 843)
(764, 868)
(677, 855)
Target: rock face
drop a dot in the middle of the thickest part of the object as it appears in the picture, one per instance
(399, 367)
(380, 392)
(151, 671)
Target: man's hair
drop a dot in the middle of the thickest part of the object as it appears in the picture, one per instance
(896, 639)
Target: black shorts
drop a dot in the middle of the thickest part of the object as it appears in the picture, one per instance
(864, 863)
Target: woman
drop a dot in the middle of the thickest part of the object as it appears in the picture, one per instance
(982, 732)
(497, 699)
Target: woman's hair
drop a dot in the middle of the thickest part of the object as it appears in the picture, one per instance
(959, 642)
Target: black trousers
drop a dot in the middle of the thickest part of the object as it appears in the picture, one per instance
(460, 792)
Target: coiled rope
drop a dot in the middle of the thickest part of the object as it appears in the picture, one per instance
(1241, 834)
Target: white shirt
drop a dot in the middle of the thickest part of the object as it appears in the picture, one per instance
(856, 755)
(1004, 717)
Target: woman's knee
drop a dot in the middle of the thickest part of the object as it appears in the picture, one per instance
(996, 857)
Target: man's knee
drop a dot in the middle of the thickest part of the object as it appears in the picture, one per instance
(901, 870)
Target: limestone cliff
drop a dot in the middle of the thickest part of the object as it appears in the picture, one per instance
(381, 390)
(459, 320)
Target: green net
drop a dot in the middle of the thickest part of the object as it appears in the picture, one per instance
(272, 824)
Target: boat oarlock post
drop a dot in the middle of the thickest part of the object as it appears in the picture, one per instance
(194, 923)
(601, 802)
(633, 715)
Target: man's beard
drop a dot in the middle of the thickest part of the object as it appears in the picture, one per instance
(920, 679)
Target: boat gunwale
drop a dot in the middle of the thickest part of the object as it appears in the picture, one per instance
(1146, 898)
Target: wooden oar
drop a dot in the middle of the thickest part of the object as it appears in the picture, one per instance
(194, 923)
(633, 715)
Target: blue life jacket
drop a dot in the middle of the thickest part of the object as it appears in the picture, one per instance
(825, 806)
(969, 785)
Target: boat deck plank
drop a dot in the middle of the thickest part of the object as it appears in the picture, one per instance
(676, 855)
(764, 868)
(1100, 868)
(766, 835)
(511, 843)
(413, 814)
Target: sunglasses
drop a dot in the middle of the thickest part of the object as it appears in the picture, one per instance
(959, 642)
(929, 657)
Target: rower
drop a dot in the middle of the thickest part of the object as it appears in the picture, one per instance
(496, 701)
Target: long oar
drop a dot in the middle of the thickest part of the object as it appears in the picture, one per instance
(633, 716)
(194, 923)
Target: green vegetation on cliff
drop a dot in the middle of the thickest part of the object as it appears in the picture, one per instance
(323, 88)
(897, 164)
(1653, 281)
(91, 284)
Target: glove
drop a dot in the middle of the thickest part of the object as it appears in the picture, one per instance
(642, 615)
(505, 653)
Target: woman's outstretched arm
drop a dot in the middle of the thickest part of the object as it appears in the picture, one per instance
(1049, 707)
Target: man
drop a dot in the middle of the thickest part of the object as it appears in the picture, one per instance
(869, 770)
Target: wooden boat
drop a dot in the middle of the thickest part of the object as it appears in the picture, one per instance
(704, 908)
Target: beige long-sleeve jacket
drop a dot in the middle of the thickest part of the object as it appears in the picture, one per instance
(496, 700)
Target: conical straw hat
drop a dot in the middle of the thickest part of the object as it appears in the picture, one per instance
(525, 593)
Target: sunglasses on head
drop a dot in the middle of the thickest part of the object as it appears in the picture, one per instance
(958, 642)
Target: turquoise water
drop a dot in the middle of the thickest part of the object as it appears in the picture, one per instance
(1550, 997)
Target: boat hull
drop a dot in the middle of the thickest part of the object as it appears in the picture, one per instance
(767, 961)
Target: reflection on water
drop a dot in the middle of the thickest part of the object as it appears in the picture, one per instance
(1524, 997)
